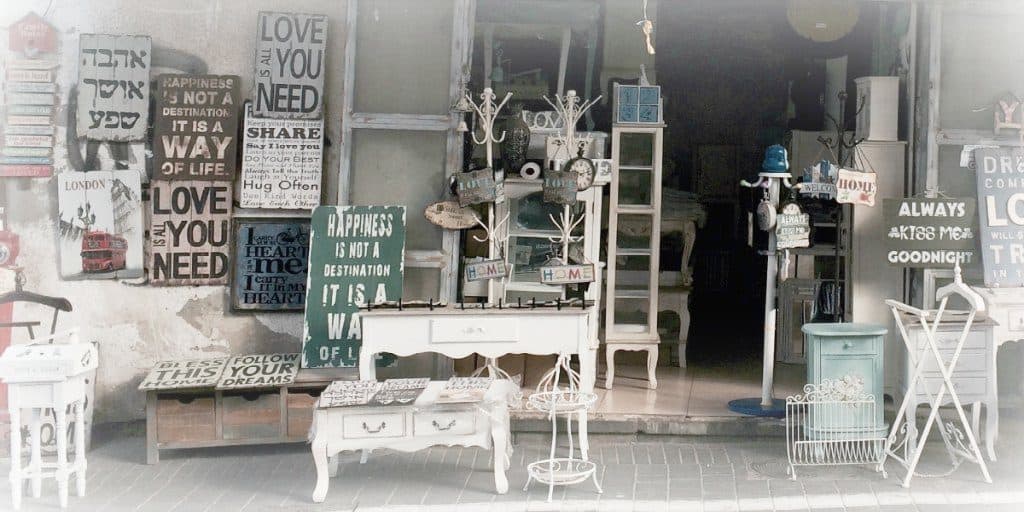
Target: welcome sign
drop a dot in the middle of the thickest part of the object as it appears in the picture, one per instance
(357, 256)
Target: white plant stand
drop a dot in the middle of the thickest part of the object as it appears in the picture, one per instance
(568, 402)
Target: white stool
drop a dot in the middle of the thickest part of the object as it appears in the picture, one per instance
(36, 398)
(48, 376)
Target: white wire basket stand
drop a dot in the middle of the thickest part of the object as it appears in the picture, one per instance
(561, 399)
(834, 423)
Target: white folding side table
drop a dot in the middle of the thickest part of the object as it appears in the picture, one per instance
(905, 422)
(45, 375)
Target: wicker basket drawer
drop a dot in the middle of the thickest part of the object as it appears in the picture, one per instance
(251, 415)
(300, 410)
(185, 418)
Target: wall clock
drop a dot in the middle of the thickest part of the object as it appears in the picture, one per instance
(584, 168)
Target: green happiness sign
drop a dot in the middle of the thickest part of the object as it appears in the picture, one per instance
(356, 256)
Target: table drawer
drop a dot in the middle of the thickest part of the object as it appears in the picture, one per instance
(964, 386)
(444, 423)
(946, 340)
(361, 426)
(970, 361)
(849, 346)
(474, 330)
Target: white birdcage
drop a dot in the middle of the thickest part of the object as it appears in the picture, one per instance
(833, 423)
(557, 397)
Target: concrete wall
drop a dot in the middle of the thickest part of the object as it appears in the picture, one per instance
(137, 325)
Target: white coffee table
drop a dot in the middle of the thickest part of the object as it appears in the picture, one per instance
(409, 428)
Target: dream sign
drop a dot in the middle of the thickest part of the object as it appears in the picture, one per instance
(290, 63)
(259, 371)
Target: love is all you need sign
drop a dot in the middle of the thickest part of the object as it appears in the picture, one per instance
(195, 132)
(189, 232)
(930, 233)
(1000, 177)
(356, 257)
(290, 60)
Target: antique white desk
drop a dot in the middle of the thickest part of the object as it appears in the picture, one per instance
(1006, 307)
(409, 428)
(491, 332)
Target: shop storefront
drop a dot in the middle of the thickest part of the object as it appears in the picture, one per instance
(239, 205)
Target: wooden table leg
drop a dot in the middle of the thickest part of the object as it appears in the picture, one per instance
(36, 462)
(499, 442)
(80, 463)
(609, 360)
(367, 365)
(652, 367)
(152, 453)
(15, 477)
(61, 473)
(991, 429)
(319, 447)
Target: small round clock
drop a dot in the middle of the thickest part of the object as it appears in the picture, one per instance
(584, 168)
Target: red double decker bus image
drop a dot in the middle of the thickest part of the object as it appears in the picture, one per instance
(103, 252)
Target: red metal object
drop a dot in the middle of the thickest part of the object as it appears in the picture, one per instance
(32, 35)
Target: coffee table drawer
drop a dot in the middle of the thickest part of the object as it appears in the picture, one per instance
(474, 330)
(444, 423)
(361, 426)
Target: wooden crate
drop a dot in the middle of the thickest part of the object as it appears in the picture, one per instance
(299, 410)
(251, 414)
(183, 418)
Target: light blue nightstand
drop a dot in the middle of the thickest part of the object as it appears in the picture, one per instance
(850, 353)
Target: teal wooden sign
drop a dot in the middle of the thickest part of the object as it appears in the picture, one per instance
(356, 256)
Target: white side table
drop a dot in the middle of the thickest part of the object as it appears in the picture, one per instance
(43, 376)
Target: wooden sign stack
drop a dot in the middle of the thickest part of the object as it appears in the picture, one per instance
(27, 149)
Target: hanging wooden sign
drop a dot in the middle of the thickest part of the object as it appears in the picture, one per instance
(930, 233)
(1000, 194)
(271, 264)
(475, 187)
(560, 187)
(357, 256)
(31, 36)
(113, 86)
(792, 228)
(486, 269)
(567, 274)
(189, 232)
(282, 162)
(195, 131)
(602, 170)
(100, 224)
(259, 371)
(856, 187)
(290, 65)
(196, 373)
(449, 215)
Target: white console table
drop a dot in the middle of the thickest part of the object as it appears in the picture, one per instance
(456, 333)
(409, 428)
(1006, 307)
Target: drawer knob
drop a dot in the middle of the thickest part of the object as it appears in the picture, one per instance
(848, 344)
(368, 430)
(443, 428)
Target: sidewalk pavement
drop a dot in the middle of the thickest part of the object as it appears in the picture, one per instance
(641, 473)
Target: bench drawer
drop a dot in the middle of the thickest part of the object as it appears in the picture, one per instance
(444, 423)
(362, 426)
(185, 418)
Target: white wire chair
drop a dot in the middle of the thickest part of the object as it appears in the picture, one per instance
(834, 423)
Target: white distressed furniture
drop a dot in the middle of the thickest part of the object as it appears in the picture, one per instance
(903, 444)
(634, 241)
(491, 333)
(1005, 306)
(414, 427)
(974, 377)
(46, 375)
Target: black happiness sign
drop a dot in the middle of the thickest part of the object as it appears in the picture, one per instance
(195, 133)
(290, 63)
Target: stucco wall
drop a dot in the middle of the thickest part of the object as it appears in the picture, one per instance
(136, 324)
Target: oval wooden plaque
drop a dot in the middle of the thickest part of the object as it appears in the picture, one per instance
(449, 215)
